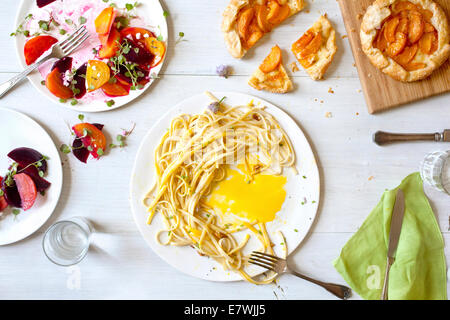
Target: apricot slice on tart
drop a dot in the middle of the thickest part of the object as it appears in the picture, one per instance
(282, 14)
(407, 55)
(35, 47)
(97, 74)
(255, 33)
(428, 43)
(272, 61)
(244, 20)
(416, 27)
(261, 16)
(157, 48)
(395, 48)
(390, 29)
(105, 20)
(55, 85)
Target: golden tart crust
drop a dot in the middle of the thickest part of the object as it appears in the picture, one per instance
(405, 60)
(315, 50)
(234, 42)
(271, 75)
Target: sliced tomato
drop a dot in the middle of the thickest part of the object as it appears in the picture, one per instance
(55, 85)
(35, 47)
(137, 34)
(3, 203)
(110, 45)
(91, 137)
(27, 190)
(116, 89)
(105, 20)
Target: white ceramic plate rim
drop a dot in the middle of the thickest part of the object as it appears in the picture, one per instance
(56, 186)
(282, 117)
(95, 106)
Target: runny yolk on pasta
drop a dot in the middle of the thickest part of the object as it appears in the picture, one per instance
(238, 199)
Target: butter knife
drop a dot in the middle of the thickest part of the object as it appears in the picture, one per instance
(394, 235)
(381, 137)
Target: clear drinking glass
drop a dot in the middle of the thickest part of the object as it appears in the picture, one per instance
(66, 242)
(435, 170)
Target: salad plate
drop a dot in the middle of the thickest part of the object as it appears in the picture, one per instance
(60, 18)
(23, 132)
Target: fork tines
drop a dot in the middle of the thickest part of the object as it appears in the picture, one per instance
(263, 260)
(74, 40)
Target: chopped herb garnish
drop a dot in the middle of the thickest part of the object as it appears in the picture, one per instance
(16, 212)
(74, 102)
(65, 148)
(62, 100)
(110, 103)
(82, 20)
(81, 117)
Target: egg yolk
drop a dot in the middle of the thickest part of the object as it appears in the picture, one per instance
(253, 201)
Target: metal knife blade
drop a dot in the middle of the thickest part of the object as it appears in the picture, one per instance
(396, 223)
(394, 235)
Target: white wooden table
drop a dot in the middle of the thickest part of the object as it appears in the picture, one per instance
(354, 171)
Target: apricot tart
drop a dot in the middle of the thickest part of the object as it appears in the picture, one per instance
(407, 40)
(315, 50)
(271, 75)
(246, 21)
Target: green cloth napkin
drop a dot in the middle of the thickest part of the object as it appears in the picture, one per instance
(419, 271)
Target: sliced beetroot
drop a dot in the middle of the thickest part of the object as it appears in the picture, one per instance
(27, 156)
(41, 184)
(27, 190)
(43, 3)
(80, 77)
(63, 65)
(3, 203)
(98, 126)
(139, 54)
(11, 195)
(80, 151)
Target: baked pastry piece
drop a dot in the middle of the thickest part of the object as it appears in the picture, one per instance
(315, 50)
(407, 40)
(271, 75)
(246, 21)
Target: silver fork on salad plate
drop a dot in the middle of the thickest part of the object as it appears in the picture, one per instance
(279, 266)
(59, 50)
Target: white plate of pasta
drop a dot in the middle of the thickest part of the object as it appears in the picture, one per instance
(222, 175)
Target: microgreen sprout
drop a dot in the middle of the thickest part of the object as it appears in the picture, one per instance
(20, 29)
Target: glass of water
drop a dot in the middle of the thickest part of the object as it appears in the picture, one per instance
(435, 170)
(66, 242)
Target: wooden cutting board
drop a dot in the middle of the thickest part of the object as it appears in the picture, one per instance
(381, 91)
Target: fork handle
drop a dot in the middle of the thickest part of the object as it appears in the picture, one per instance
(8, 85)
(338, 290)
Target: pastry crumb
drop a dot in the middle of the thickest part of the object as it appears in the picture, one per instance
(359, 16)
(344, 36)
(294, 67)
(328, 115)
(370, 178)
(359, 90)
(330, 90)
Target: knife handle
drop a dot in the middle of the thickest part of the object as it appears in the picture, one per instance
(381, 137)
(384, 294)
